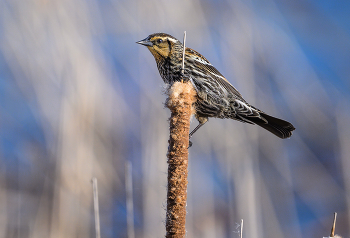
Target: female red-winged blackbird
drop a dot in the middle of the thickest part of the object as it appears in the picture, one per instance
(216, 97)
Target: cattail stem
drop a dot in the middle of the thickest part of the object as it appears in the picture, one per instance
(180, 101)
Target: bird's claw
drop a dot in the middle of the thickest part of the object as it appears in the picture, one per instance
(189, 144)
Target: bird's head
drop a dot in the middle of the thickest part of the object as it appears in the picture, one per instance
(161, 45)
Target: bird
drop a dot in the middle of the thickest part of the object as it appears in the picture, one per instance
(216, 97)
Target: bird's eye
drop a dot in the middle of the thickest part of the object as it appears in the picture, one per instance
(159, 41)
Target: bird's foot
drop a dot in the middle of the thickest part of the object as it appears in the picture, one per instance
(189, 144)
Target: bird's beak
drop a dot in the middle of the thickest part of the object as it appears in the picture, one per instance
(145, 42)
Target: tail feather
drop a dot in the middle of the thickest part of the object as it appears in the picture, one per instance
(280, 128)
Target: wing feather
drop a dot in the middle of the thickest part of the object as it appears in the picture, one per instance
(203, 63)
(244, 111)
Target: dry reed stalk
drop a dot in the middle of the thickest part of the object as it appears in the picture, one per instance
(129, 200)
(96, 208)
(180, 101)
(333, 227)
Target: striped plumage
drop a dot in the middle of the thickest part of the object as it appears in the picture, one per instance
(216, 97)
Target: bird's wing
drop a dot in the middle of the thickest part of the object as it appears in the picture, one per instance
(202, 63)
(243, 109)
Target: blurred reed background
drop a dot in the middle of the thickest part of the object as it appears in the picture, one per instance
(79, 98)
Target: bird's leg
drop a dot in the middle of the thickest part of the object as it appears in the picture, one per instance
(196, 129)
(201, 123)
